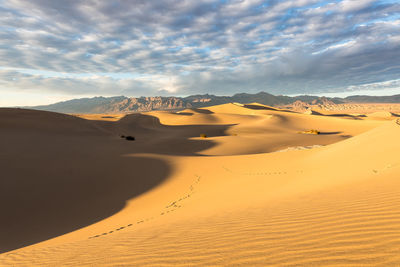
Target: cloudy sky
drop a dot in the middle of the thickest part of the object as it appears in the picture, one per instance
(52, 50)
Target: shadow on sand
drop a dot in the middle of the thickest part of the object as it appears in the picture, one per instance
(54, 182)
(329, 133)
(258, 107)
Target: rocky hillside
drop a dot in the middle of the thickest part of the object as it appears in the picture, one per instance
(321, 103)
(118, 104)
(122, 104)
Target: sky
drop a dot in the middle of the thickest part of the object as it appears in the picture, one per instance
(53, 50)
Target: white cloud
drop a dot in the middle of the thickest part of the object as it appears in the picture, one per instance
(354, 5)
(185, 47)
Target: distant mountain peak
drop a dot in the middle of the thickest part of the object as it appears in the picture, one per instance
(123, 104)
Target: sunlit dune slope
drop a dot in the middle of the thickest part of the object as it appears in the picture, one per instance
(98, 199)
(257, 128)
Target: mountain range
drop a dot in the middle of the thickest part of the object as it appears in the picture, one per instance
(123, 104)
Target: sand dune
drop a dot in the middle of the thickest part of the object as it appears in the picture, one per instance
(74, 193)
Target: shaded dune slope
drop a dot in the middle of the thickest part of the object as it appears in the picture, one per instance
(61, 173)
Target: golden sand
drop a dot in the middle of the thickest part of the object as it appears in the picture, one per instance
(74, 193)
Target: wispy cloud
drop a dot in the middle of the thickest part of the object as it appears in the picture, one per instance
(183, 47)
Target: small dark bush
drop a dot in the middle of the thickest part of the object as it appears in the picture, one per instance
(203, 135)
(122, 136)
(130, 138)
(312, 131)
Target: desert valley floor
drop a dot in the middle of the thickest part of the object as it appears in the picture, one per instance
(257, 190)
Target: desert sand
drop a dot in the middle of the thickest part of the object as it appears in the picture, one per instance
(256, 191)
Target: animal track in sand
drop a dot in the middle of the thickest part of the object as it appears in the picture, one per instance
(389, 166)
(264, 173)
(169, 208)
(261, 172)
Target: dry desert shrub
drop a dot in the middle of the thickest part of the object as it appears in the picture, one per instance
(312, 131)
(203, 135)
